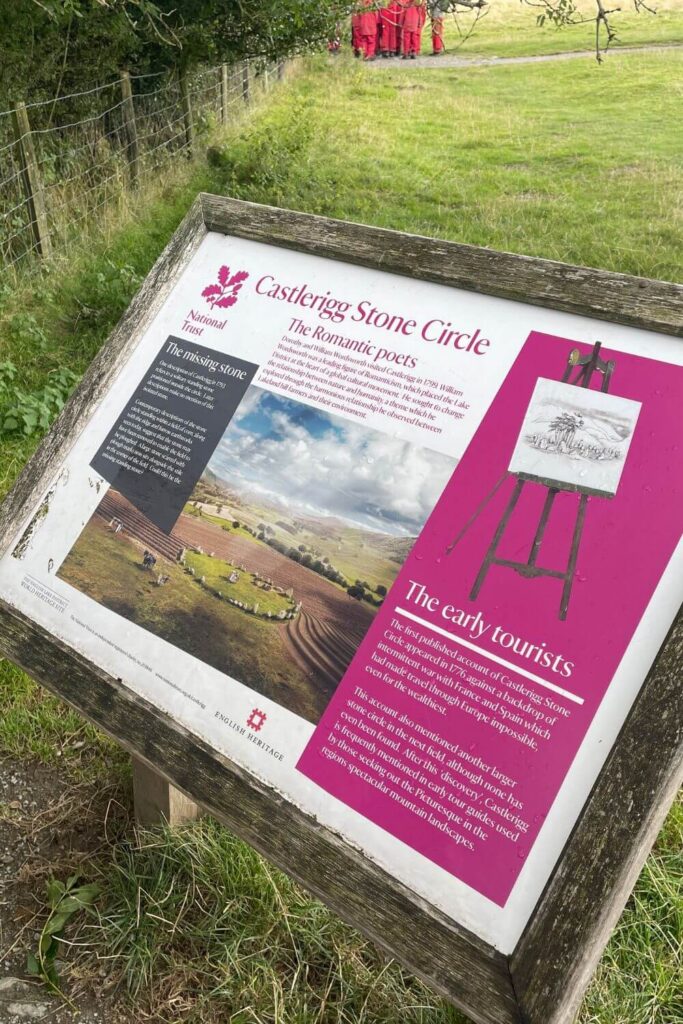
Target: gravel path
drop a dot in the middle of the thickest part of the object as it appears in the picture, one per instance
(453, 61)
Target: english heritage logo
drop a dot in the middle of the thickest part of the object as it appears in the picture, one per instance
(256, 719)
(225, 294)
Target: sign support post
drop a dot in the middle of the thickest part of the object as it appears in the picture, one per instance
(156, 801)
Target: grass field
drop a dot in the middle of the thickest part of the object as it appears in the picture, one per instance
(509, 29)
(216, 572)
(568, 161)
(210, 513)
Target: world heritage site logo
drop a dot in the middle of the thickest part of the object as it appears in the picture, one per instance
(225, 293)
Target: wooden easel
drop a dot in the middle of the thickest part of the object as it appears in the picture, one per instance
(587, 366)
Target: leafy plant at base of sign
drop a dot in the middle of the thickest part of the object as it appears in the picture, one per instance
(27, 412)
(65, 900)
(224, 294)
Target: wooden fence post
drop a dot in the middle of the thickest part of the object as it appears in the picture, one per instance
(224, 94)
(157, 801)
(280, 70)
(128, 111)
(187, 111)
(33, 185)
(245, 81)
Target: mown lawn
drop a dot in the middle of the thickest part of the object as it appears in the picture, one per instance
(568, 161)
(510, 29)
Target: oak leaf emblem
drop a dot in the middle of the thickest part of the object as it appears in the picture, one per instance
(224, 294)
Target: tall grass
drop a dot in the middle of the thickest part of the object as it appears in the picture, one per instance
(199, 928)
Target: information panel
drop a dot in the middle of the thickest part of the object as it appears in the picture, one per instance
(405, 552)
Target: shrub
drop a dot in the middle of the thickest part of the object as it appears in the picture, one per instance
(28, 412)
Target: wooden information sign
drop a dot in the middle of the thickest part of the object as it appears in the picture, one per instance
(370, 544)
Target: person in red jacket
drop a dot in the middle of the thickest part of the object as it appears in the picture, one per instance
(413, 20)
(422, 12)
(355, 34)
(368, 24)
(390, 29)
(437, 15)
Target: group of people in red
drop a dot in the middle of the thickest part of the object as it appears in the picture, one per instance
(394, 30)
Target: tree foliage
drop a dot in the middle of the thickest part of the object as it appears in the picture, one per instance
(63, 46)
(213, 31)
(68, 45)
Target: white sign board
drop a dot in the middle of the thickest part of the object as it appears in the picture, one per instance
(253, 531)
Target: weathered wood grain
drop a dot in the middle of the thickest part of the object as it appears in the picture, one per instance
(155, 800)
(32, 181)
(557, 954)
(453, 961)
(638, 302)
(130, 126)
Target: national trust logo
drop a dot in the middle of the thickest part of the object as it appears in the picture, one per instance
(225, 293)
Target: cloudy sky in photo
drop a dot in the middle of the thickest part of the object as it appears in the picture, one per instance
(318, 464)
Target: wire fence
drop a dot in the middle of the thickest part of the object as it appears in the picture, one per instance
(65, 159)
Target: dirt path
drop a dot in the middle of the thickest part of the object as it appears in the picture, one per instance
(50, 827)
(454, 61)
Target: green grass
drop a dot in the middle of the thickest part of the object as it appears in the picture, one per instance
(569, 161)
(216, 573)
(510, 29)
(34, 725)
(218, 520)
(198, 928)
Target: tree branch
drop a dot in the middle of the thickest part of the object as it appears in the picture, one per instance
(561, 13)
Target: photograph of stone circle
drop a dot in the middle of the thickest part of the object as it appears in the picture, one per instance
(281, 557)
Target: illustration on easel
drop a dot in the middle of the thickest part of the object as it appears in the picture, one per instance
(574, 439)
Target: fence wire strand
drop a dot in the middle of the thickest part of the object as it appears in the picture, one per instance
(71, 153)
(62, 99)
(74, 124)
(83, 164)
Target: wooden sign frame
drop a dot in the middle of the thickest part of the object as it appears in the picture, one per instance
(543, 980)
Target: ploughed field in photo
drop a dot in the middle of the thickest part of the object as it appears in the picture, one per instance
(225, 597)
(329, 626)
